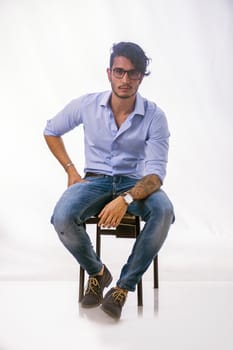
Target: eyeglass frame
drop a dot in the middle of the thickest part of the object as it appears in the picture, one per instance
(129, 72)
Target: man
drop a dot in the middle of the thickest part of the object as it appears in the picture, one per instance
(126, 146)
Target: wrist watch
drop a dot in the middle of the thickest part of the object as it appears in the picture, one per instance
(128, 198)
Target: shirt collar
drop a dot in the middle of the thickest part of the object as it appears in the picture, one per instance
(105, 98)
(139, 106)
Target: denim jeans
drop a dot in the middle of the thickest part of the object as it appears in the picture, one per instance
(83, 200)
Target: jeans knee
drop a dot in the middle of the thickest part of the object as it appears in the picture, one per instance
(63, 219)
(168, 211)
(59, 223)
(160, 207)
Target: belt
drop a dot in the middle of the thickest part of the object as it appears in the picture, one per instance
(95, 174)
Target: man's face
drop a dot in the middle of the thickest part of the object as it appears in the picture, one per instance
(124, 85)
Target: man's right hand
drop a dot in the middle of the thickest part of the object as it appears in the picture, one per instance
(73, 176)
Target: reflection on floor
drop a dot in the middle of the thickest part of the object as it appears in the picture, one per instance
(182, 316)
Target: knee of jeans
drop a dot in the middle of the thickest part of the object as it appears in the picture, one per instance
(61, 220)
(168, 213)
(163, 210)
(59, 223)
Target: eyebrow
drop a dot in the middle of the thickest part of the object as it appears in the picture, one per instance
(126, 70)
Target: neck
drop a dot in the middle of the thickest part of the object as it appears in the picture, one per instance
(121, 105)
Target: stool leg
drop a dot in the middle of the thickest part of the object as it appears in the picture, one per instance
(81, 280)
(139, 291)
(81, 283)
(139, 286)
(98, 241)
(156, 273)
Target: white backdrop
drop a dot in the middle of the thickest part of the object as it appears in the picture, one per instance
(52, 51)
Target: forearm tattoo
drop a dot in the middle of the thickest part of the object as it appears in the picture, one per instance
(144, 187)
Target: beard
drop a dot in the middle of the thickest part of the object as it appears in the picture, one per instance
(124, 95)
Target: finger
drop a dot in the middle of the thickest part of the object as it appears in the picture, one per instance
(101, 213)
(116, 220)
(104, 214)
(103, 219)
(107, 221)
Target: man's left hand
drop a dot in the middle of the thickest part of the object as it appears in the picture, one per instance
(113, 212)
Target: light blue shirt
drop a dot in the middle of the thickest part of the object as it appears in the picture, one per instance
(138, 148)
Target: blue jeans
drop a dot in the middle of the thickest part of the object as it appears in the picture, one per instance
(83, 200)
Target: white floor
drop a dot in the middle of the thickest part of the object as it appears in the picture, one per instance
(182, 316)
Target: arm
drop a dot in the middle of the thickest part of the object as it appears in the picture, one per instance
(145, 186)
(57, 147)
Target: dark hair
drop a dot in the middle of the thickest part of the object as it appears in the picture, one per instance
(134, 53)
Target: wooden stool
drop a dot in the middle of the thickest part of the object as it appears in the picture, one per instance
(128, 228)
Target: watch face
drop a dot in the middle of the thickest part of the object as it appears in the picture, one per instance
(128, 198)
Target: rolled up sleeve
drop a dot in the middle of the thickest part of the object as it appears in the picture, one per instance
(67, 119)
(157, 146)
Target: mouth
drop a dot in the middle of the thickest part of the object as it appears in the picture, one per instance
(124, 87)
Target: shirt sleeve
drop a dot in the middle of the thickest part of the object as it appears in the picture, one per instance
(67, 119)
(157, 146)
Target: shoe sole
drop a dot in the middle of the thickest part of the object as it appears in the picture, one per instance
(109, 313)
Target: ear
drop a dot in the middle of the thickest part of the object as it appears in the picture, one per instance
(109, 73)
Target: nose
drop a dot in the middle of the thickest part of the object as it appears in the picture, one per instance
(125, 77)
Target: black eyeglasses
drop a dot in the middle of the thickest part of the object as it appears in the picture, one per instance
(132, 73)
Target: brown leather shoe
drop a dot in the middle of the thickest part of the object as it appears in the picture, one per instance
(113, 302)
(94, 293)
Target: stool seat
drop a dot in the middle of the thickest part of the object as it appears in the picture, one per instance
(128, 228)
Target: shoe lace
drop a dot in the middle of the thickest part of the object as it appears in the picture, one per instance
(119, 296)
(93, 284)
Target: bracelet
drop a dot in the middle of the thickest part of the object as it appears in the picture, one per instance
(68, 165)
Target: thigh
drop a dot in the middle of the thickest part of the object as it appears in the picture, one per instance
(84, 199)
(157, 202)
